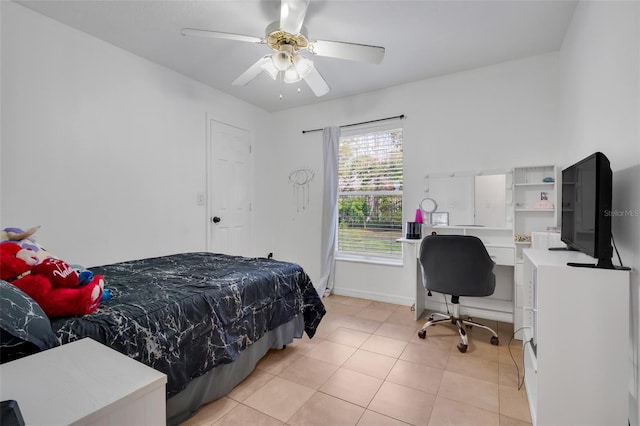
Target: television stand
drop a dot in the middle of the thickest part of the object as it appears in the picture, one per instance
(584, 265)
(562, 249)
(562, 388)
(592, 265)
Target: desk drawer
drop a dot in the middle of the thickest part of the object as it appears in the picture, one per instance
(502, 255)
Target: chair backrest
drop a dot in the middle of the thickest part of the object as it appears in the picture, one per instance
(458, 265)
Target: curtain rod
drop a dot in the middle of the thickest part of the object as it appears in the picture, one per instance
(401, 116)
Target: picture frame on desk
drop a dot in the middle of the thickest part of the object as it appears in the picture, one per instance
(440, 218)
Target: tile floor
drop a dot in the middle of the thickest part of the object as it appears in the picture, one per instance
(366, 366)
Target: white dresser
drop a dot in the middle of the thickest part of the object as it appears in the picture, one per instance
(84, 383)
(578, 319)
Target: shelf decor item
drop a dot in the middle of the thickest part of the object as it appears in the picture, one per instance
(440, 218)
(543, 202)
(418, 218)
(428, 206)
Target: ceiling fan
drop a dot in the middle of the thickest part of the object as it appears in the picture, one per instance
(287, 38)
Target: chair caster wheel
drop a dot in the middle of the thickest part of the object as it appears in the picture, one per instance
(422, 334)
(494, 340)
(462, 347)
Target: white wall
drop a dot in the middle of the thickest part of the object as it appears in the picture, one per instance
(102, 148)
(601, 110)
(496, 117)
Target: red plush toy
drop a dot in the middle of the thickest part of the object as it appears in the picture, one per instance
(52, 283)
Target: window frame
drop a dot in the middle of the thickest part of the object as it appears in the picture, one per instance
(372, 257)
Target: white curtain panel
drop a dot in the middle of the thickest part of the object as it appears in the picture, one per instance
(330, 143)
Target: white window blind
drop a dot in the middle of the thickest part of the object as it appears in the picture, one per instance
(370, 183)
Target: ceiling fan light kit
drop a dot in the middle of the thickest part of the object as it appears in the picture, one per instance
(287, 37)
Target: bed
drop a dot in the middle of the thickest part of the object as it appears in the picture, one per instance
(203, 319)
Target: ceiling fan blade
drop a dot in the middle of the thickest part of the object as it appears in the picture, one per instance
(292, 13)
(252, 72)
(316, 83)
(351, 51)
(219, 34)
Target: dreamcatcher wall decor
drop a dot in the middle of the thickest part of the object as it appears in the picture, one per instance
(300, 179)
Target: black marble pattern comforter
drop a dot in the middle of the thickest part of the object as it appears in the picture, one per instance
(184, 314)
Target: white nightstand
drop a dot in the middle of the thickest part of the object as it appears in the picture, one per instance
(84, 383)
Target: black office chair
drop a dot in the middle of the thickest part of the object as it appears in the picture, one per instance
(458, 265)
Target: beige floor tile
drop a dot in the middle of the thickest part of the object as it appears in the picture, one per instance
(371, 418)
(210, 413)
(324, 410)
(361, 324)
(396, 331)
(252, 383)
(447, 412)
(340, 308)
(403, 403)
(303, 345)
(505, 329)
(333, 353)
(277, 360)
(403, 315)
(416, 376)
(352, 386)
(384, 306)
(283, 386)
(425, 354)
(374, 314)
(444, 335)
(346, 300)
(309, 371)
(476, 367)
(508, 421)
(279, 398)
(481, 348)
(384, 345)
(509, 375)
(349, 337)
(468, 390)
(511, 354)
(328, 325)
(370, 363)
(242, 415)
(513, 403)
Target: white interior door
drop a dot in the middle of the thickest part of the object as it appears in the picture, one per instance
(229, 189)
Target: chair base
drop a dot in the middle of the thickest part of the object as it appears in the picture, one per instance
(461, 323)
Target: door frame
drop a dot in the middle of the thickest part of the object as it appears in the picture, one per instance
(209, 177)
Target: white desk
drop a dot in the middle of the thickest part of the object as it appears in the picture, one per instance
(84, 383)
(499, 244)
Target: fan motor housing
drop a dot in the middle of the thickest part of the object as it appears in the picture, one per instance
(276, 37)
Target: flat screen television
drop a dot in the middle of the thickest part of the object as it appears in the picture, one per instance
(586, 209)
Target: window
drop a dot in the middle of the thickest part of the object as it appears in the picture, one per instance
(370, 194)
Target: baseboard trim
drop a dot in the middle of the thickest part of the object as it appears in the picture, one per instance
(378, 297)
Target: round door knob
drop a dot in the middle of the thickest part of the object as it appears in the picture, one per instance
(215, 219)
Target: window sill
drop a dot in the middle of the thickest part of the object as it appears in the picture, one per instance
(371, 260)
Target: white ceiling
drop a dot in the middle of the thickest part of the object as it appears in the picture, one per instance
(423, 38)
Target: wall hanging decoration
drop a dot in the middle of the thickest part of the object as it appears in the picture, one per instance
(300, 179)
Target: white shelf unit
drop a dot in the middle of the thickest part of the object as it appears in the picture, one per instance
(528, 188)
